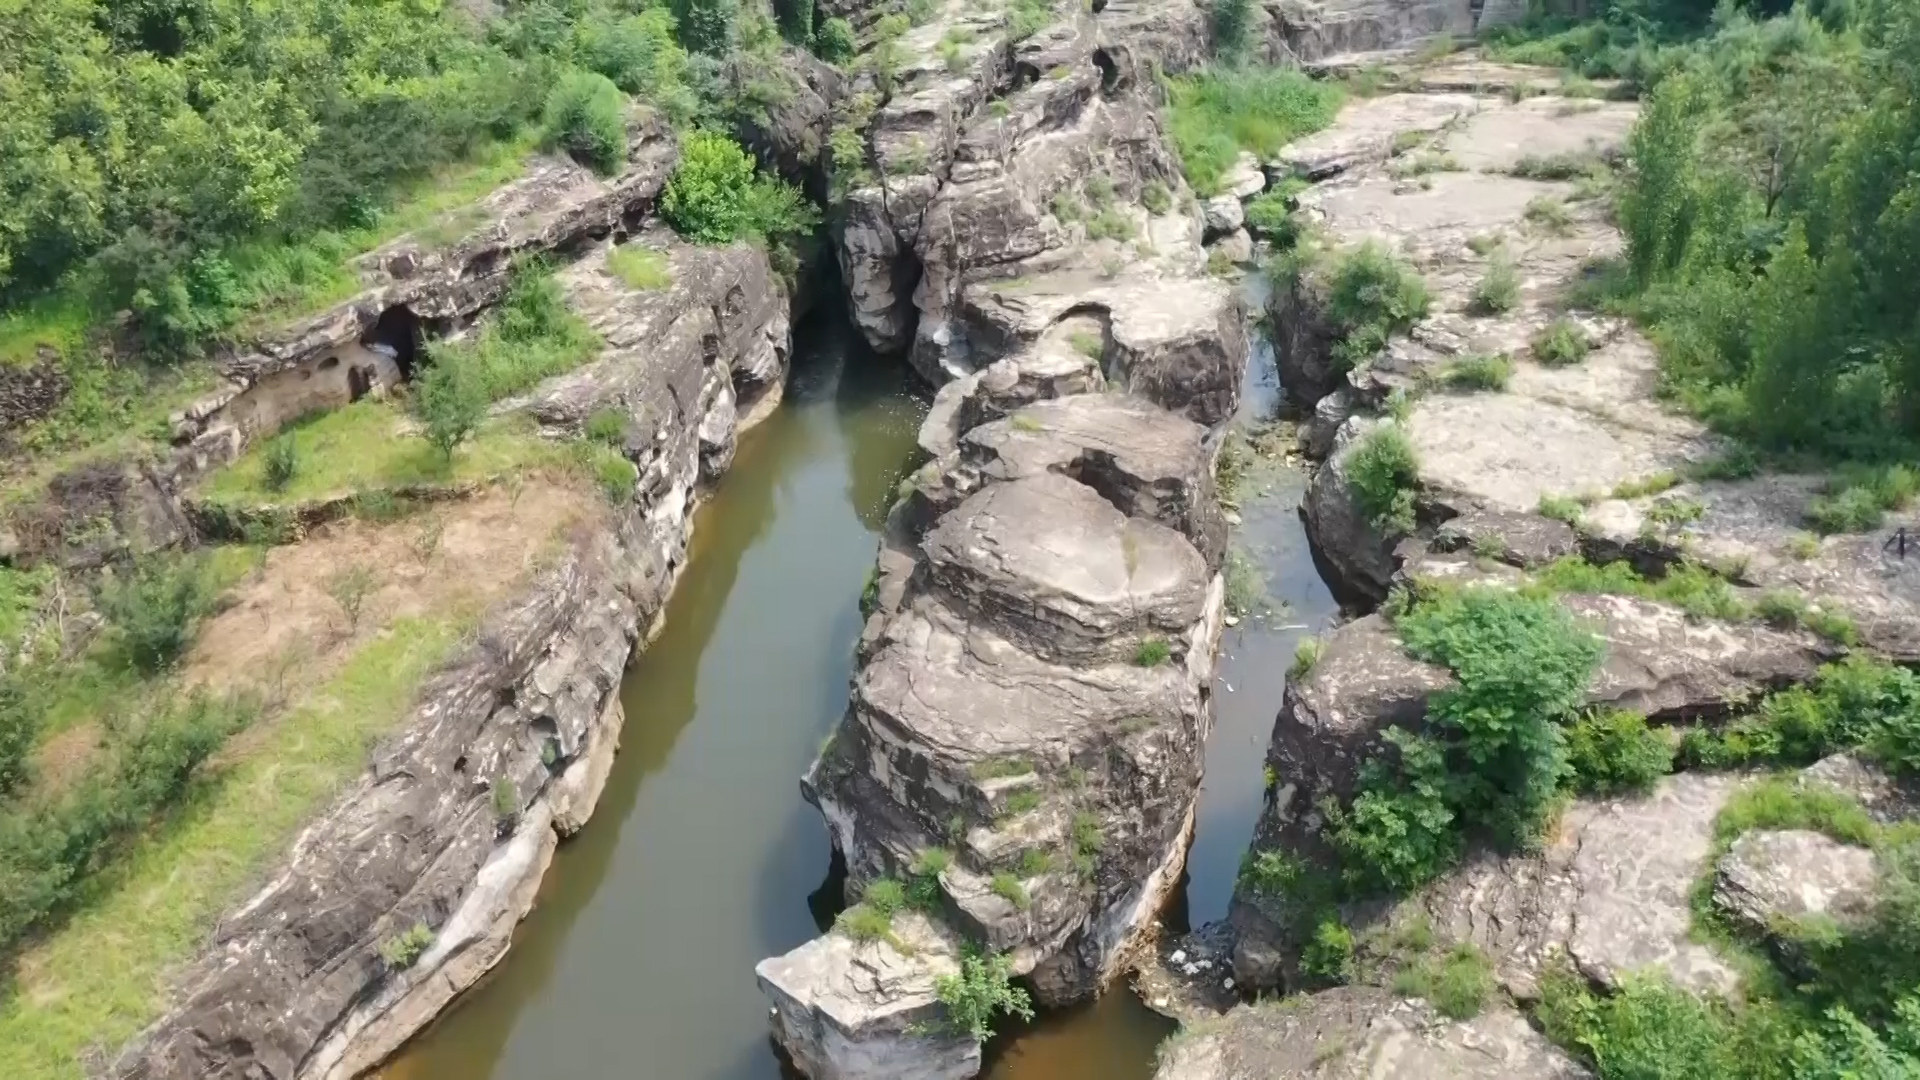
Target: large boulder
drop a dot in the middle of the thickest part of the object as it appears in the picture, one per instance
(1770, 877)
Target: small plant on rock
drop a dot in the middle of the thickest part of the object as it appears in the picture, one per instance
(1478, 372)
(982, 989)
(282, 463)
(1156, 197)
(1498, 290)
(349, 587)
(1152, 653)
(1560, 343)
(1371, 295)
(403, 950)
(1305, 655)
(1613, 752)
(1384, 474)
(1008, 888)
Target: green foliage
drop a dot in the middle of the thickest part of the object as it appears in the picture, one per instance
(1113, 223)
(1087, 842)
(1561, 343)
(1371, 295)
(1152, 653)
(1028, 17)
(1219, 113)
(1498, 290)
(706, 26)
(1697, 591)
(1561, 508)
(640, 268)
(865, 923)
(618, 477)
(1327, 958)
(1649, 1030)
(1008, 888)
(1270, 214)
(1857, 703)
(1614, 752)
(1457, 984)
(450, 398)
(834, 41)
(608, 426)
(1156, 197)
(585, 117)
(152, 609)
(403, 950)
(982, 989)
(50, 849)
(1305, 655)
(715, 198)
(1858, 499)
(1023, 801)
(1493, 754)
(19, 729)
(1384, 474)
(1481, 371)
(282, 462)
(1232, 28)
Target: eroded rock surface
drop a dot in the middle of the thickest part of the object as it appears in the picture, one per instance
(293, 984)
(1358, 1033)
(1769, 877)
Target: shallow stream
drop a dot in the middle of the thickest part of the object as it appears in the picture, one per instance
(637, 962)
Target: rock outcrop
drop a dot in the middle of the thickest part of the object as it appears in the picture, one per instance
(1353, 1033)
(1032, 697)
(1772, 877)
(294, 984)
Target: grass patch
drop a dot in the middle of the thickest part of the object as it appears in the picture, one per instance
(1479, 372)
(1498, 290)
(1693, 589)
(1217, 114)
(1858, 499)
(367, 445)
(1008, 888)
(1561, 343)
(1087, 344)
(1384, 474)
(641, 268)
(92, 981)
(1152, 653)
(1458, 983)
(1550, 216)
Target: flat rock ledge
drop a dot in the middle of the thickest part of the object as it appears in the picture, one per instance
(292, 985)
(1773, 877)
(1358, 1033)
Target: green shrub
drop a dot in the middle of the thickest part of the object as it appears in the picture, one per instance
(282, 462)
(834, 42)
(1220, 112)
(1613, 751)
(715, 198)
(1155, 197)
(1550, 216)
(1028, 17)
(450, 397)
(586, 117)
(982, 989)
(1327, 958)
(618, 477)
(1384, 474)
(1648, 1030)
(1270, 215)
(1499, 288)
(1852, 510)
(1478, 372)
(1112, 223)
(1371, 295)
(706, 26)
(403, 950)
(1087, 842)
(638, 54)
(152, 610)
(642, 269)
(608, 426)
(1232, 28)
(865, 924)
(1305, 655)
(1152, 653)
(1560, 508)
(1457, 984)
(1561, 343)
(1007, 887)
(1494, 752)
(50, 850)
(19, 730)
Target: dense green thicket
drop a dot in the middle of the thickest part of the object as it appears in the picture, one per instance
(1219, 113)
(714, 197)
(1492, 755)
(48, 849)
(194, 161)
(1772, 212)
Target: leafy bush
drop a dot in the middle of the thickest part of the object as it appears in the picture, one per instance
(282, 462)
(1494, 753)
(1270, 215)
(1613, 751)
(1857, 500)
(152, 612)
(1498, 290)
(1155, 197)
(1328, 957)
(1457, 984)
(1112, 223)
(450, 398)
(715, 198)
(19, 729)
(834, 41)
(1152, 653)
(706, 26)
(403, 950)
(1305, 655)
(1560, 343)
(608, 426)
(1371, 295)
(1221, 112)
(640, 268)
(618, 477)
(1232, 26)
(586, 117)
(48, 851)
(1008, 888)
(1481, 371)
(638, 54)
(1384, 474)
(982, 989)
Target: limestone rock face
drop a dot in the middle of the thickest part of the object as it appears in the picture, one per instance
(1791, 874)
(292, 985)
(1358, 1033)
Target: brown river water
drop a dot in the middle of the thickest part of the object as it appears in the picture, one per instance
(637, 962)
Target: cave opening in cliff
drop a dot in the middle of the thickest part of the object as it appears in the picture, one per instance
(1109, 71)
(399, 335)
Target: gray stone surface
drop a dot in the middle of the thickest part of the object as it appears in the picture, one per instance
(1357, 1033)
(1769, 877)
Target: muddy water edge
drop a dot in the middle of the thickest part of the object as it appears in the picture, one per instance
(637, 961)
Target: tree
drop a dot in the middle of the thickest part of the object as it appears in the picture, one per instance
(586, 116)
(1232, 23)
(450, 398)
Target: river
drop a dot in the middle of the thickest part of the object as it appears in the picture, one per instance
(637, 962)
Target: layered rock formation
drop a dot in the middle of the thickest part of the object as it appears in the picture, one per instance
(1032, 699)
(507, 749)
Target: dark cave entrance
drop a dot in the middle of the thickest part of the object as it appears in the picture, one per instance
(399, 334)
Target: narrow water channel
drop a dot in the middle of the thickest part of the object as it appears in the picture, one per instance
(637, 961)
